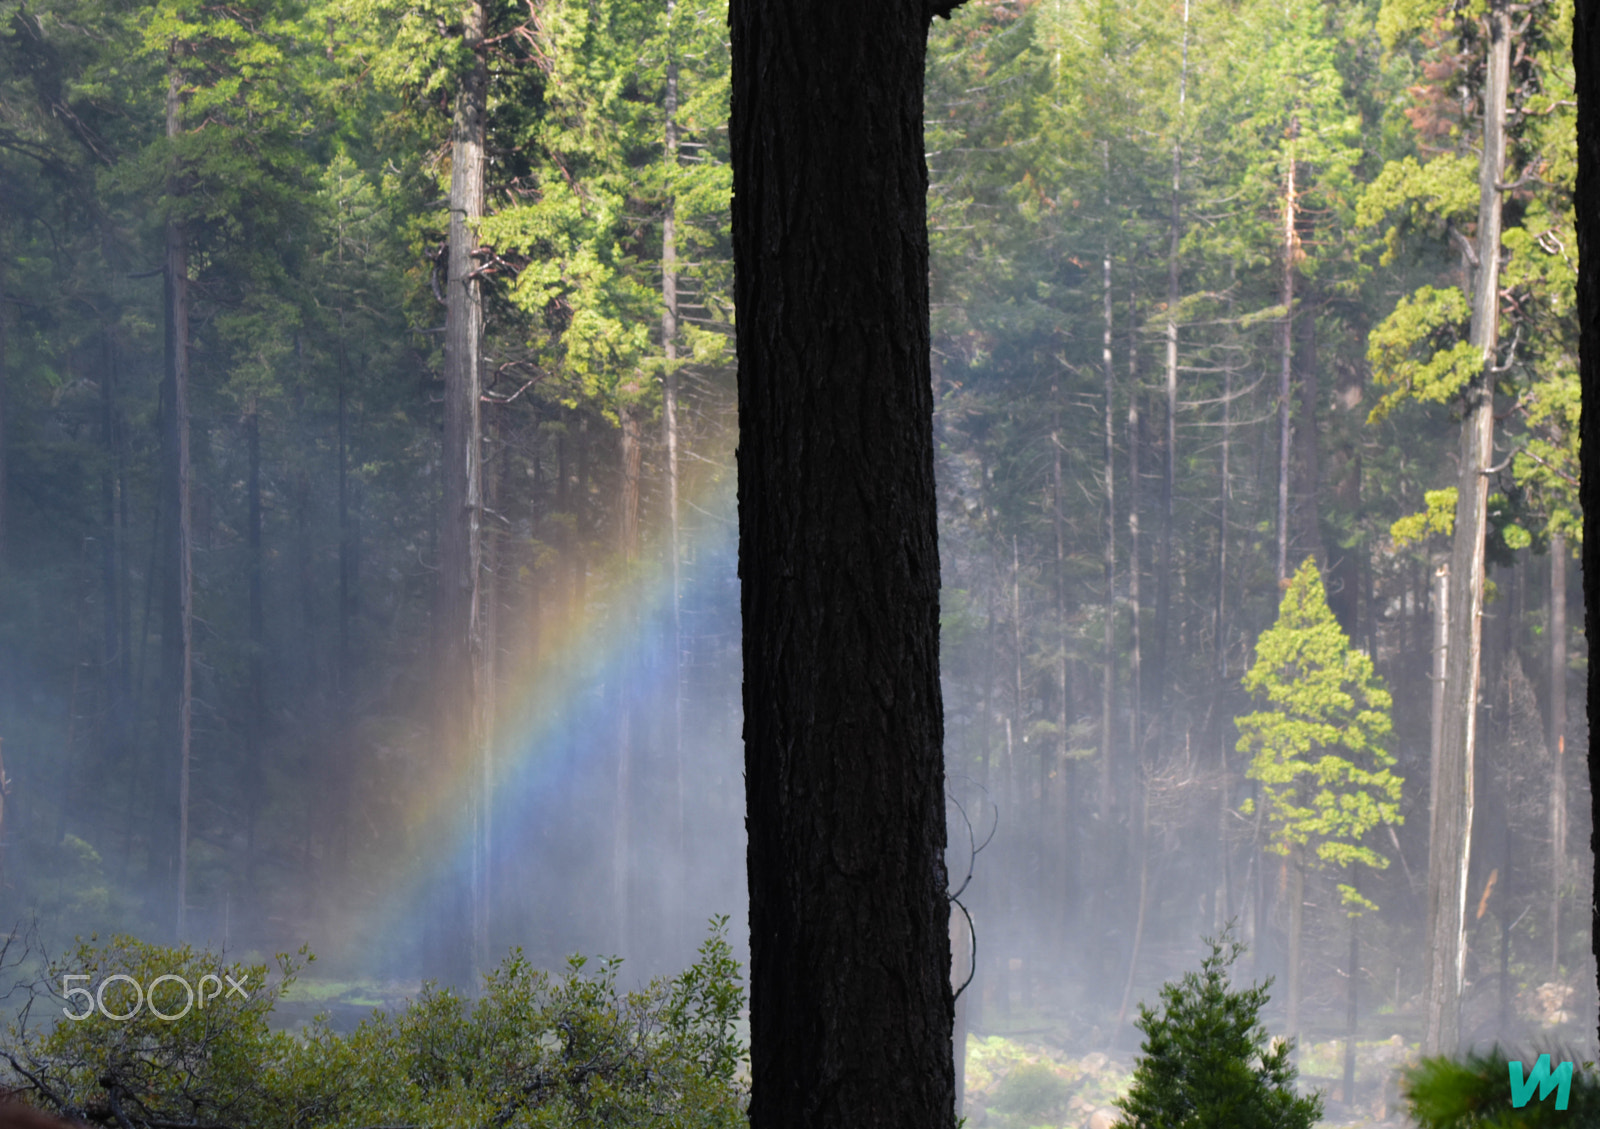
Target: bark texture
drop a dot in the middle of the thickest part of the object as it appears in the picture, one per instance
(851, 1011)
(1449, 851)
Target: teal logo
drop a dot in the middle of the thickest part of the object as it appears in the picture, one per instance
(1559, 1080)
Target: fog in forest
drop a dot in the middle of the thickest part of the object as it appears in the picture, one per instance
(1203, 279)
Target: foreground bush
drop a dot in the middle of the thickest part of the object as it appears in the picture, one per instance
(1474, 1092)
(1208, 1064)
(532, 1051)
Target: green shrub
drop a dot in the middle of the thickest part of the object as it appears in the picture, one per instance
(1474, 1092)
(532, 1050)
(1207, 1063)
(1031, 1094)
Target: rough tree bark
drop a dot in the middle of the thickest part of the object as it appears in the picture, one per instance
(457, 646)
(1586, 202)
(851, 1012)
(1449, 850)
(178, 595)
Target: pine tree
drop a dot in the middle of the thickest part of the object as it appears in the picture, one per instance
(1319, 748)
(1207, 1062)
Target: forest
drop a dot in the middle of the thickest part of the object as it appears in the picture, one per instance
(368, 573)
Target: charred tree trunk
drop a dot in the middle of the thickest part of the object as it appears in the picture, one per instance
(1449, 850)
(839, 565)
(178, 595)
(1586, 206)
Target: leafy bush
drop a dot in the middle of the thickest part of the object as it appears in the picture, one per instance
(1475, 1093)
(1206, 1061)
(1032, 1094)
(532, 1051)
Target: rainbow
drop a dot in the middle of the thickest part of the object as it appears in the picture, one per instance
(550, 770)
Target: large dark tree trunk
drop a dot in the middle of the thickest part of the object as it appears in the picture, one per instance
(178, 594)
(1449, 853)
(1586, 60)
(851, 1014)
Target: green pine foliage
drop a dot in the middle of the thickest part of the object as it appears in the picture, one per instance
(1474, 1092)
(1319, 749)
(1208, 1063)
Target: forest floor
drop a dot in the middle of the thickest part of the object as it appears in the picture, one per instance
(1025, 1080)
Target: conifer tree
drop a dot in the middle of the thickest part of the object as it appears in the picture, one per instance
(1318, 749)
(1208, 1063)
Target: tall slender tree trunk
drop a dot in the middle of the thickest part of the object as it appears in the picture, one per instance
(113, 653)
(344, 767)
(1135, 597)
(1056, 840)
(839, 569)
(1558, 741)
(1441, 652)
(629, 726)
(1285, 364)
(1297, 918)
(4, 455)
(258, 645)
(458, 643)
(177, 602)
(1108, 677)
(1449, 851)
(494, 477)
(669, 429)
(1351, 998)
(1309, 489)
(1169, 483)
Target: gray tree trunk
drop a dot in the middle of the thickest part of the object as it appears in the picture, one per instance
(1449, 853)
(458, 642)
(1285, 370)
(1558, 741)
(177, 624)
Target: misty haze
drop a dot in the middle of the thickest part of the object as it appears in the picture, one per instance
(369, 534)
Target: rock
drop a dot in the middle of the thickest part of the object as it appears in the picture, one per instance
(1095, 1061)
(1103, 1119)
